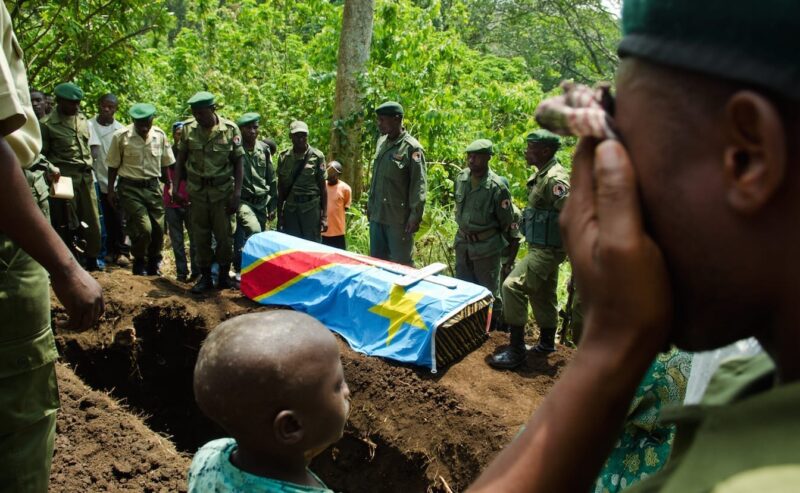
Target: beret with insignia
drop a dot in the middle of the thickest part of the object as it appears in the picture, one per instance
(248, 118)
(390, 108)
(298, 126)
(177, 125)
(544, 137)
(483, 146)
(749, 42)
(141, 111)
(201, 99)
(68, 91)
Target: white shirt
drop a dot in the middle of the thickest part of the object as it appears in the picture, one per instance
(101, 136)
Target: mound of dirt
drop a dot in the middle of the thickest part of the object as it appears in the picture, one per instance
(409, 430)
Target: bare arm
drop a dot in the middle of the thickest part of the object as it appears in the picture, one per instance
(563, 448)
(75, 288)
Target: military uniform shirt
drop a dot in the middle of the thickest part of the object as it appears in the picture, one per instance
(307, 182)
(65, 141)
(137, 158)
(210, 151)
(484, 210)
(548, 188)
(259, 181)
(399, 184)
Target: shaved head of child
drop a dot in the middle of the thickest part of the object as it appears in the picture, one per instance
(274, 381)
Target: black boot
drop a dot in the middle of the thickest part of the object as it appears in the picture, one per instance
(547, 341)
(138, 268)
(204, 283)
(514, 355)
(153, 267)
(92, 265)
(224, 281)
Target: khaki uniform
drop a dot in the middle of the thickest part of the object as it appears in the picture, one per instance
(744, 435)
(259, 197)
(140, 162)
(302, 209)
(65, 143)
(536, 277)
(396, 197)
(483, 214)
(28, 389)
(209, 174)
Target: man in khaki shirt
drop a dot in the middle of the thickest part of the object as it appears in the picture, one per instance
(139, 155)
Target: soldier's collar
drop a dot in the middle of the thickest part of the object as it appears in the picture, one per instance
(547, 166)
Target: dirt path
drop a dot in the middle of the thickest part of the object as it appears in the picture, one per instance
(409, 430)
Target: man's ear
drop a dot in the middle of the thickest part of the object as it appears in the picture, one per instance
(755, 151)
(288, 428)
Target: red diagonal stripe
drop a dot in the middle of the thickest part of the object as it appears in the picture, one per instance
(283, 268)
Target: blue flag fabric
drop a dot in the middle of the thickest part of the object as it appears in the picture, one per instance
(354, 295)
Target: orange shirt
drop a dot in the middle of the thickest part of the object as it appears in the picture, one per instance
(338, 201)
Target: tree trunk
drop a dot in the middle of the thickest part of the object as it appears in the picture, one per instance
(348, 108)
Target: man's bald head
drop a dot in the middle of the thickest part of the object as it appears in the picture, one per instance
(254, 365)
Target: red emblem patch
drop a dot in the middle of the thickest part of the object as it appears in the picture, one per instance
(237, 140)
(505, 203)
(559, 190)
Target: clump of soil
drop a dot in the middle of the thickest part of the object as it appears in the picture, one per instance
(409, 430)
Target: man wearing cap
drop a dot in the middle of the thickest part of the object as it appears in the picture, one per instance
(483, 215)
(177, 211)
(259, 186)
(397, 192)
(339, 200)
(30, 252)
(210, 153)
(536, 277)
(103, 126)
(684, 231)
(65, 143)
(302, 196)
(139, 155)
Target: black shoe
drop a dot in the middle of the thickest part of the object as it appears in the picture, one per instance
(92, 265)
(541, 348)
(224, 281)
(182, 278)
(547, 341)
(508, 359)
(153, 268)
(204, 284)
(193, 276)
(138, 268)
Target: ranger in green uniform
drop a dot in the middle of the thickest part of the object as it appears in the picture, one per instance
(302, 194)
(483, 214)
(536, 277)
(140, 154)
(398, 188)
(65, 143)
(513, 236)
(259, 186)
(210, 153)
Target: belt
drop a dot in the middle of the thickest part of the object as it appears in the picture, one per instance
(477, 236)
(146, 183)
(302, 199)
(212, 181)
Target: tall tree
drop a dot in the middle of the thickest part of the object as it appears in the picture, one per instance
(348, 109)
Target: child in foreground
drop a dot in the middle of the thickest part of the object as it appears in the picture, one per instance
(274, 381)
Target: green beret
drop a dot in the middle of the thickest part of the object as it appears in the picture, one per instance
(201, 99)
(68, 91)
(390, 108)
(746, 41)
(248, 118)
(140, 111)
(483, 146)
(297, 126)
(544, 137)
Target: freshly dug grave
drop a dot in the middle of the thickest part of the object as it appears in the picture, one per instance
(409, 430)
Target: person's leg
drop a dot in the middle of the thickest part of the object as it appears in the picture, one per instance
(223, 225)
(542, 285)
(335, 241)
(487, 274)
(186, 214)
(464, 267)
(86, 209)
(201, 234)
(174, 221)
(132, 201)
(400, 244)
(155, 211)
(247, 224)
(378, 246)
(515, 316)
(310, 221)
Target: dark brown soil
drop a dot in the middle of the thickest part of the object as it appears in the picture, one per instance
(409, 430)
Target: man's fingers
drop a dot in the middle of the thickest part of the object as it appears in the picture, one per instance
(618, 209)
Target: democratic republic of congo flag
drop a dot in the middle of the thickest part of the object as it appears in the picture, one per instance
(355, 296)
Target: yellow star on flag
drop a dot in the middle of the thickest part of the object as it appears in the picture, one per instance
(400, 308)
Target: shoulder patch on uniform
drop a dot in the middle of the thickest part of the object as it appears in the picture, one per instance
(505, 204)
(559, 190)
(237, 140)
(514, 226)
(416, 156)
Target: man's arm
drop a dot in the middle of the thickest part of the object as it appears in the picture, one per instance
(417, 190)
(272, 181)
(238, 173)
(323, 196)
(177, 174)
(75, 288)
(562, 447)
